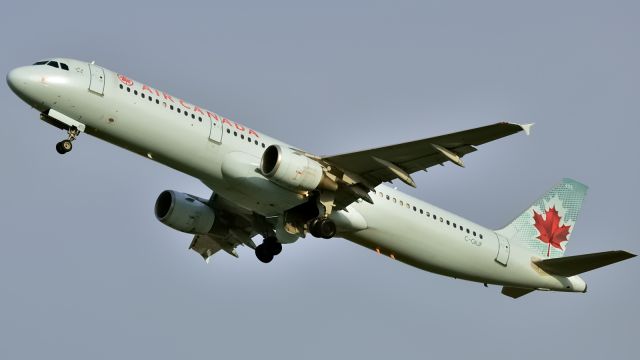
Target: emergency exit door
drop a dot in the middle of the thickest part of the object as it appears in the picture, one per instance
(215, 134)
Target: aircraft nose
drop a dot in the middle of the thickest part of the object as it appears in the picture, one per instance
(17, 80)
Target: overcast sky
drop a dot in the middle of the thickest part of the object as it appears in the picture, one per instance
(86, 271)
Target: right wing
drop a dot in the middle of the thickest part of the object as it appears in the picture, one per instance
(233, 226)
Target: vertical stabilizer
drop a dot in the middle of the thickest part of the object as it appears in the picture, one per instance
(546, 226)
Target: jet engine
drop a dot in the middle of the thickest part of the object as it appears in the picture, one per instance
(184, 212)
(293, 170)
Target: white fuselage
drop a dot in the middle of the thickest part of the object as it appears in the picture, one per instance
(225, 155)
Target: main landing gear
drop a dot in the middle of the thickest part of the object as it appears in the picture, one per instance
(65, 146)
(322, 228)
(269, 248)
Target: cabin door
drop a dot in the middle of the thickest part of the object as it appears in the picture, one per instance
(503, 250)
(96, 82)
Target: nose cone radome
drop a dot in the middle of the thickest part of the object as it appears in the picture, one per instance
(16, 78)
(20, 80)
(26, 83)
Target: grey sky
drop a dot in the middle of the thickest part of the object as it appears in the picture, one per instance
(87, 272)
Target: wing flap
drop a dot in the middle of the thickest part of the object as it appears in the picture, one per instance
(205, 245)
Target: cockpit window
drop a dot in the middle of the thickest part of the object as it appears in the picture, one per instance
(54, 64)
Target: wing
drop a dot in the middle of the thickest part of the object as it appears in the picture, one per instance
(374, 166)
(233, 226)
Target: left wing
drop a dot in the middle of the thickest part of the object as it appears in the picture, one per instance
(369, 168)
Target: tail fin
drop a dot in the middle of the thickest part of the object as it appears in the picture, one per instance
(546, 226)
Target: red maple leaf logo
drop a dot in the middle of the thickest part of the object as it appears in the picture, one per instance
(550, 230)
(125, 80)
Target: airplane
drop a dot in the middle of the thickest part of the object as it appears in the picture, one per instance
(262, 186)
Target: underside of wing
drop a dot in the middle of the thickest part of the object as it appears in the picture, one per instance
(361, 171)
(233, 226)
(388, 163)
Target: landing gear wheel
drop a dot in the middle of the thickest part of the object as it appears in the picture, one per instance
(59, 148)
(274, 246)
(323, 228)
(263, 254)
(64, 146)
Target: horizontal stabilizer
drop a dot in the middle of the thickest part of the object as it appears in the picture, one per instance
(515, 292)
(574, 265)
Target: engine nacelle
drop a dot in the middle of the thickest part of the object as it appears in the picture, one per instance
(287, 168)
(184, 213)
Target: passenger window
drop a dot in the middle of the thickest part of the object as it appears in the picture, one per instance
(200, 118)
(171, 107)
(249, 139)
(434, 216)
(150, 99)
(394, 200)
(441, 219)
(53, 63)
(480, 236)
(255, 142)
(121, 86)
(263, 145)
(128, 89)
(448, 223)
(135, 92)
(242, 136)
(64, 66)
(407, 205)
(235, 133)
(454, 225)
(142, 94)
(428, 214)
(193, 116)
(228, 131)
(178, 109)
(157, 101)
(474, 233)
(414, 208)
(468, 232)
(387, 197)
(401, 203)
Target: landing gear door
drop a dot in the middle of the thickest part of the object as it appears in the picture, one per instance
(96, 82)
(503, 250)
(215, 134)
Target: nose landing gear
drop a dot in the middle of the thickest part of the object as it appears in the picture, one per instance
(65, 146)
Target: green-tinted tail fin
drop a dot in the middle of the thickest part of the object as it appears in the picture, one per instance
(546, 226)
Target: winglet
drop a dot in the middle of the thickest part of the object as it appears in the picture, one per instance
(527, 128)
